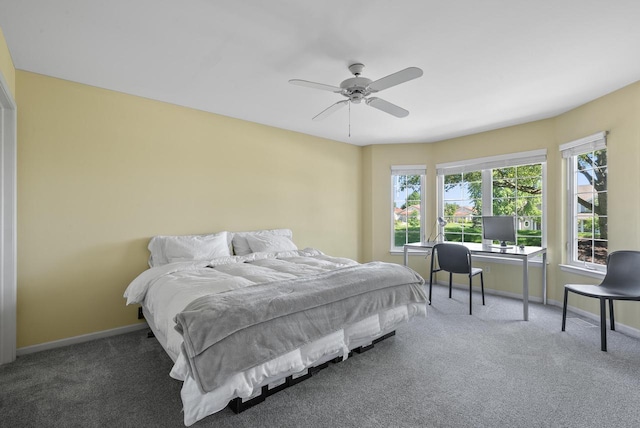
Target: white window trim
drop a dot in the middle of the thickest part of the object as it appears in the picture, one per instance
(420, 170)
(585, 271)
(490, 162)
(570, 150)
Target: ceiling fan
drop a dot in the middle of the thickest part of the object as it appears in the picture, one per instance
(359, 88)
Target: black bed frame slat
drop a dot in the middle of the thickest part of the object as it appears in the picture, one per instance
(238, 406)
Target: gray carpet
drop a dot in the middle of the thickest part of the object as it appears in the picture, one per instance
(450, 370)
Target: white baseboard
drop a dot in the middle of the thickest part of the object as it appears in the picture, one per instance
(488, 291)
(518, 296)
(143, 325)
(622, 328)
(80, 339)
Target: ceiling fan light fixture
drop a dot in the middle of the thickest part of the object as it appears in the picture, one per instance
(359, 88)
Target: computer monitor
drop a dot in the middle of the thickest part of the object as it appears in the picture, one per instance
(499, 228)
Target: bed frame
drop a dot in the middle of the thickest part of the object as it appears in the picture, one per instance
(238, 405)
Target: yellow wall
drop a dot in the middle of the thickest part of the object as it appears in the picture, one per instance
(100, 172)
(531, 136)
(6, 65)
(618, 113)
(380, 158)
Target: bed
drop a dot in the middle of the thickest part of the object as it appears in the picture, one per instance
(242, 313)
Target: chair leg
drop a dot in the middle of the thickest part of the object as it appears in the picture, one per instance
(611, 317)
(564, 309)
(603, 325)
(431, 272)
(430, 282)
(470, 293)
(482, 287)
(450, 282)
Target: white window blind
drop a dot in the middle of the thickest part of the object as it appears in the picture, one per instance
(597, 141)
(408, 169)
(491, 162)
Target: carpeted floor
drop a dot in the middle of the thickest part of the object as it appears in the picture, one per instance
(490, 369)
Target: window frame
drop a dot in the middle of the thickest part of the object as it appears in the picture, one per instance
(486, 165)
(442, 203)
(408, 170)
(570, 152)
(520, 198)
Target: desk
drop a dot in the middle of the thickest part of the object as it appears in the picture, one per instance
(525, 255)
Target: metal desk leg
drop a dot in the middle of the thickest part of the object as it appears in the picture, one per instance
(544, 278)
(525, 288)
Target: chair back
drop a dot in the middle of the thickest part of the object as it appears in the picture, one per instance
(623, 271)
(453, 258)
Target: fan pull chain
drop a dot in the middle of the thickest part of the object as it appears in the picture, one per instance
(349, 118)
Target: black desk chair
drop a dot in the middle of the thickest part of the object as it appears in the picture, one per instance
(622, 282)
(454, 258)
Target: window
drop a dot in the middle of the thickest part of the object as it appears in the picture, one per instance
(463, 206)
(407, 205)
(587, 201)
(498, 185)
(517, 191)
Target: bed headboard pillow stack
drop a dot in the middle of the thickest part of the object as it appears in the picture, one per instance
(169, 249)
(241, 246)
(270, 243)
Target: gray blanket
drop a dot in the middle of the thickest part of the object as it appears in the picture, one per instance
(230, 332)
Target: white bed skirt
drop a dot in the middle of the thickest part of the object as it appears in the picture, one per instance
(248, 384)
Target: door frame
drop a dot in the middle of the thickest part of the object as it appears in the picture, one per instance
(8, 228)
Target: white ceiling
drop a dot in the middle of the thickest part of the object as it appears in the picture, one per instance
(487, 64)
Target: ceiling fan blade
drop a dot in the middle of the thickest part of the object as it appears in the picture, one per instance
(387, 107)
(315, 85)
(333, 108)
(395, 79)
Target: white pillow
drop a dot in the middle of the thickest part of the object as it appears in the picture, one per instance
(241, 246)
(169, 249)
(270, 243)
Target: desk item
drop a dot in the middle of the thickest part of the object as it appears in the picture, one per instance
(620, 283)
(502, 247)
(524, 255)
(499, 228)
(454, 258)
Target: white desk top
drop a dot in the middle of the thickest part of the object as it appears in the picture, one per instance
(494, 250)
(525, 254)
